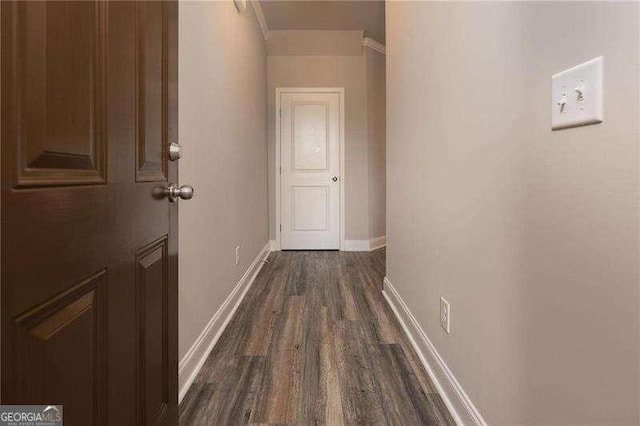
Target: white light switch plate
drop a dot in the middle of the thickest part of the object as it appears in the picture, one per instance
(576, 95)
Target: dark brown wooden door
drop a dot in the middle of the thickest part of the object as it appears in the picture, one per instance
(89, 247)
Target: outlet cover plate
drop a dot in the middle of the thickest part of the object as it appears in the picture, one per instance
(445, 315)
(576, 95)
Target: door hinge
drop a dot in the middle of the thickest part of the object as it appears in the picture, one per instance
(280, 169)
(280, 228)
(280, 112)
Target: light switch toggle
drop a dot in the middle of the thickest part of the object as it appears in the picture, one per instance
(580, 92)
(562, 103)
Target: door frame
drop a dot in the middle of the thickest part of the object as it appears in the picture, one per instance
(342, 180)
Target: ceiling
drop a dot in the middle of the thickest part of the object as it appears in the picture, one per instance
(326, 15)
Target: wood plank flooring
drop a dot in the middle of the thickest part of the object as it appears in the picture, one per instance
(314, 342)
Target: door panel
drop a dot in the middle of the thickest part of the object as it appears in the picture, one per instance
(310, 208)
(88, 248)
(61, 350)
(58, 92)
(152, 328)
(310, 136)
(152, 91)
(310, 159)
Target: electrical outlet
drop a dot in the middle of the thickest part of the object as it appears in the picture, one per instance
(445, 315)
(237, 255)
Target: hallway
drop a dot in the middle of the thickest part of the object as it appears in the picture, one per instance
(340, 212)
(314, 341)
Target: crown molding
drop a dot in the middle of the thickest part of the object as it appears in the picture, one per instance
(260, 17)
(372, 44)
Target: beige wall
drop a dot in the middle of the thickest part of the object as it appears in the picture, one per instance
(531, 235)
(222, 128)
(314, 42)
(350, 72)
(376, 141)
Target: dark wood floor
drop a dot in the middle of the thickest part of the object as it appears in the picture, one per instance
(314, 342)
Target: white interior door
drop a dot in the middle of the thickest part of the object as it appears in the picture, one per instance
(310, 170)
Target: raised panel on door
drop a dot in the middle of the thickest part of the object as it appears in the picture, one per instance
(152, 328)
(60, 353)
(310, 208)
(57, 95)
(310, 145)
(152, 96)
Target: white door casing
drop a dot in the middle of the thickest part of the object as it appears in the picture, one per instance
(309, 132)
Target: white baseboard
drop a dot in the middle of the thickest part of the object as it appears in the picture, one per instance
(356, 245)
(460, 406)
(195, 357)
(371, 43)
(377, 242)
(365, 245)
